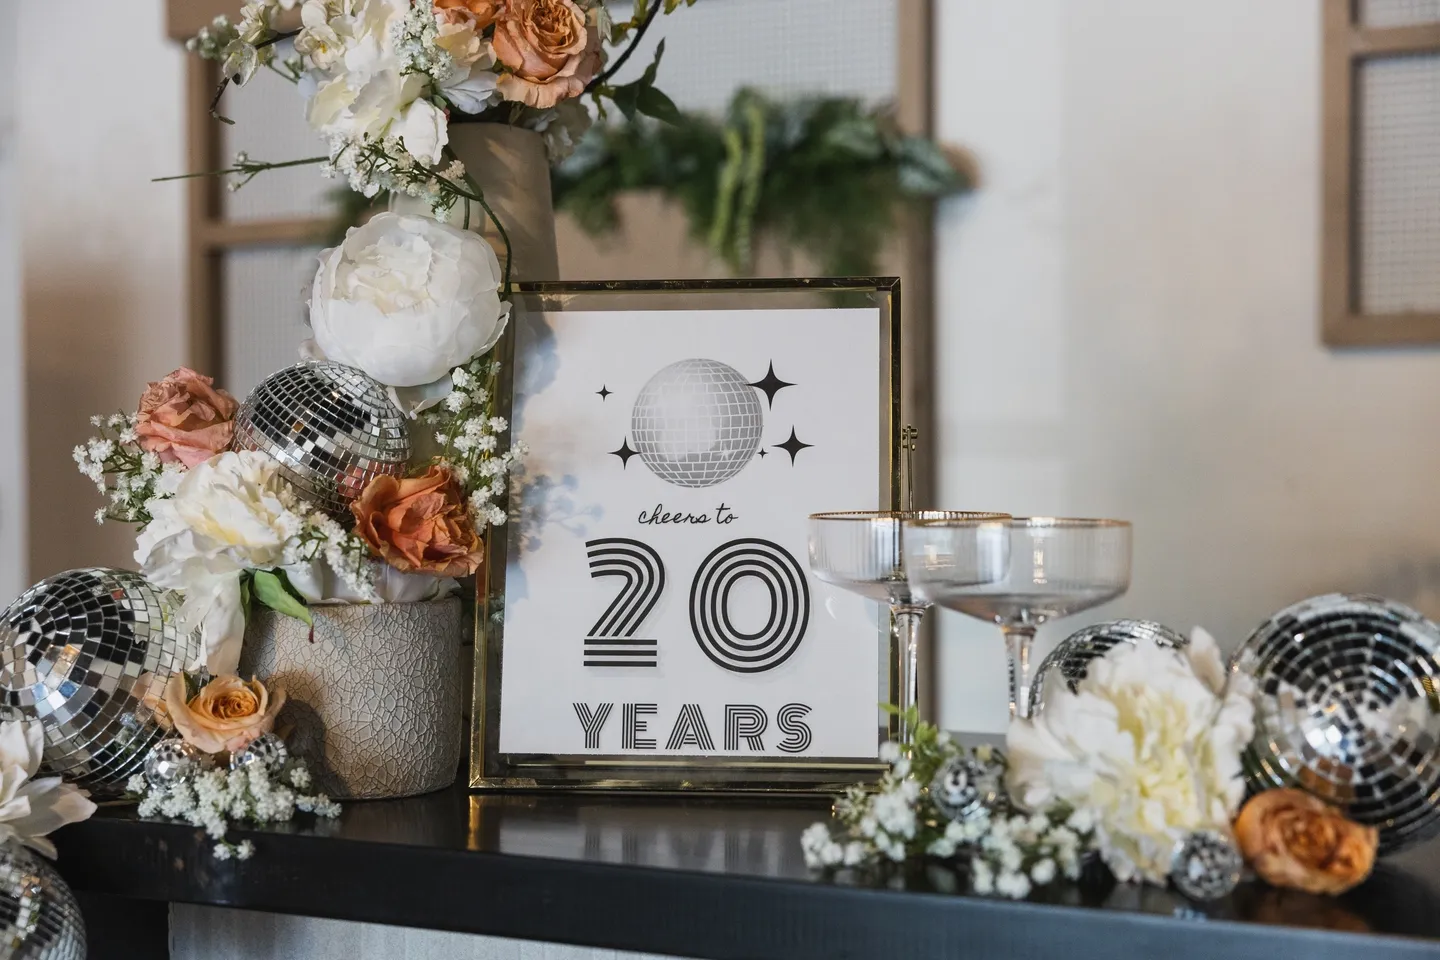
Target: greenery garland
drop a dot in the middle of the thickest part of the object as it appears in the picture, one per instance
(827, 176)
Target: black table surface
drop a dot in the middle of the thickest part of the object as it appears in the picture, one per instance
(706, 878)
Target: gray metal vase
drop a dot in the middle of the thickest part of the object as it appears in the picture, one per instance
(373, 700)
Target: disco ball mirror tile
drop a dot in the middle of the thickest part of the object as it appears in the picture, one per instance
(1072, 655)
(87, 653)
(697, 423)
(39, 917)
(332, 428)
(1346, 707)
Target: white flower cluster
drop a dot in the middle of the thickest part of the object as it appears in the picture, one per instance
(218, 796)
(372, 166)
(130, 478)
(414, 37)
(469, 438)
(321, 537)
(212, 40)
(1009, 853)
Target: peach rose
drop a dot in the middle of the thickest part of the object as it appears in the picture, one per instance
(1293, 839)
(185, 419)
(225, 715)
(550, 53)
(419, 525)
(477, 13)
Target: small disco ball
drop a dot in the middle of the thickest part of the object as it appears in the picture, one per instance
(331, 427)
(39, 918)
(1206, 865)
(697, 423)
(963, 787)
(87, 653)
(266, 750)
(1072, 655)
(1347, 706)
(174, 761)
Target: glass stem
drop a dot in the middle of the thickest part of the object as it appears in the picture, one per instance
(1018, 638)
(907, 631)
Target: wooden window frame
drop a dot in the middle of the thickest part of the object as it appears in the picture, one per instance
(1347, 44)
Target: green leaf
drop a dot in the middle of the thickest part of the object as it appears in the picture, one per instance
(274, 590)
(652, 102)
(648, 77)
(246, 595)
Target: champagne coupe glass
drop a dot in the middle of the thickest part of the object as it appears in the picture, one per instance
(862, 551)
(1057, 566)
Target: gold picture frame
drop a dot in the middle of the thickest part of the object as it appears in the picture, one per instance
(490, 769)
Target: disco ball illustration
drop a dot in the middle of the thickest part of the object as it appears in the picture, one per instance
(1346, 707)
(697, 423)
(87, 653)
(332, 428)
(1072, 655)
(39, 918)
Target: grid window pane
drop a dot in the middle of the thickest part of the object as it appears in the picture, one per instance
(269, 116)
(266, 290)
(1398, 13)
(784, 49)
(1398, 143)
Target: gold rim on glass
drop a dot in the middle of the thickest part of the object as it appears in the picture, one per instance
(914, 516)
(1078, 523)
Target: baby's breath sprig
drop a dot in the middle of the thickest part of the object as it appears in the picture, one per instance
(255, 793)
(320, 536)
(469, 435)
(1009, 852)
(128, 476)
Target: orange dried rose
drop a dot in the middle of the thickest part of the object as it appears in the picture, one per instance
(184, 419)
(226, 715)
(419, 525)
(479, 13)
(549, 51)
(1293, 839)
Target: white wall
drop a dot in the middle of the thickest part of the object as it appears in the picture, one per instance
(103, 255)
(12, 390)
(1130, 313)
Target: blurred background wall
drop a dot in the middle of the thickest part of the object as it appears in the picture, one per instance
(1128, 319)
(13, 524)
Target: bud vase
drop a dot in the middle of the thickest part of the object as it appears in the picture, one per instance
(373, 698)
(512, 168)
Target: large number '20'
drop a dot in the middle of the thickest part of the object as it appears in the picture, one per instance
(614, 640)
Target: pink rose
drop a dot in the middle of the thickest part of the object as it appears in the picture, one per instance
(549, 52)
(184, 419)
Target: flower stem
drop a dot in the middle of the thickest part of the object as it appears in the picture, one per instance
(625, 55)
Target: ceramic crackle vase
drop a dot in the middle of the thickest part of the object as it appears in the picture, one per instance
(373, 700)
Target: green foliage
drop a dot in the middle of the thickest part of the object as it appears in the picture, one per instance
(828, 176)
(272, 588)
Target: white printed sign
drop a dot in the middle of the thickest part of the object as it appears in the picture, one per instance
(658, 598)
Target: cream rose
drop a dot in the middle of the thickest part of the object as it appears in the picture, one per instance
(1149, 745)
(226, 715)
(230, 514)
(407, 299)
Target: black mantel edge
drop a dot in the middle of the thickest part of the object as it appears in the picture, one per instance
(649, 910)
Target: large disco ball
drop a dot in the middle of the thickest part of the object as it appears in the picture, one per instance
(697, 423)
(332, 428)
(39, 918)
(1347, 707)
(87, 653)
(1068, 662)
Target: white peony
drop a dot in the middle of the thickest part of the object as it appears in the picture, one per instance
(1148, 747)
(232, 513)
(29, 808)
(407, 299)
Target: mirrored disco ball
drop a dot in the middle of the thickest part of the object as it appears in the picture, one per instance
(1067, 662)
(39, 918)
(331, 427)
(697, 423)
(1346, 707)
(88, 654)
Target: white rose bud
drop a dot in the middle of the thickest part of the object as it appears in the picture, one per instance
(407, 299)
